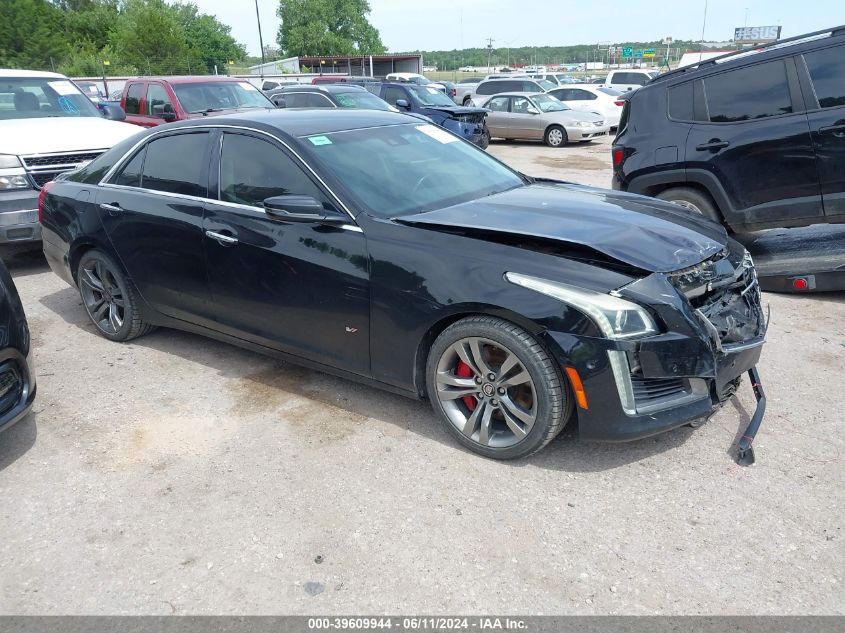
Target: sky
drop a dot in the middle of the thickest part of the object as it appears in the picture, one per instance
(407, 25)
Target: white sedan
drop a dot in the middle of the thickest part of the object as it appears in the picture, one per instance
(606, 102)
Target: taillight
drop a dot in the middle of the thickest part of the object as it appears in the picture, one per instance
(44, 189)
(618, 157)
(454, 92)
(619, 103)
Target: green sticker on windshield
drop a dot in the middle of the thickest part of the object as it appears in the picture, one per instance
(320, 140)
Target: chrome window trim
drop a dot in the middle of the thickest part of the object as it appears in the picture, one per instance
(166, 132)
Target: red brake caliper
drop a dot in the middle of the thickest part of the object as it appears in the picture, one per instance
(465, 371)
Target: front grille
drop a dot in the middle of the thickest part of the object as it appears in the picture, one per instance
(55, 160)
(40, 178)
(11, 386)
(43, 168)
(652, 391)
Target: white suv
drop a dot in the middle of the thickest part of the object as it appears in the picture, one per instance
(47, 126)
(631, 79)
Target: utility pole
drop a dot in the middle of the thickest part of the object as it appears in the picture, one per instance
(260, 40)
(490, 41)
(703, 27)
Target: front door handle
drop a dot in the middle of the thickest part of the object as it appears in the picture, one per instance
(113, 209)
(837, 129)
(712, 145)
(225, 240)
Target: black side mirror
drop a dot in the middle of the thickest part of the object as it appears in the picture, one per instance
(280, 102)
(294, 208)
(403, 103)
(113, 112)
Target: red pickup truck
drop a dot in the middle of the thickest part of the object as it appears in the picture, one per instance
(151, 101)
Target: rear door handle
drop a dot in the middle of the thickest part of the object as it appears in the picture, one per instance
(836, 130)
(113, 209)
(225, 240)
(712, 145)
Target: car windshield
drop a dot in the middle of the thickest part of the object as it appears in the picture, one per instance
(431, 96)
(548, 103)
(545, 84)
(410, 168)
(363, 100)
(220, 95)
(39, 97)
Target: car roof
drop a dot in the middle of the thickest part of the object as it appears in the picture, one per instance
(15, 72)
(191, 79)
(330, 88)
(518, 94)
(295, 123)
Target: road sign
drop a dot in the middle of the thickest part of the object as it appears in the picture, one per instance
(638, 53)
(649, 52)
(627, 51)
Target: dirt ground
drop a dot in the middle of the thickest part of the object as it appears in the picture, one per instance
(176, 474)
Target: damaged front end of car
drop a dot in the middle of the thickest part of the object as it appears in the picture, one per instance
(717, 325)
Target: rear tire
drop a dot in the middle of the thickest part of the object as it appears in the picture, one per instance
(484, 143)
(556, 136)
(109, 299)
(693, 201)
(495, 388)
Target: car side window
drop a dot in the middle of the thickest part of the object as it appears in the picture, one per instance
(530, 86)
(175, 164)
(269, 85)
(252, 170)
(583, 95)
(158, 101)
(133, 98)
(392, 95)
(828, 74)
(680, 100)
(498, 104)
(130, 174)
(295, 99)
(744, 94)
(520, 105)
(319, 101)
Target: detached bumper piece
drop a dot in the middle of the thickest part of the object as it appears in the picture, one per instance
(745, 457)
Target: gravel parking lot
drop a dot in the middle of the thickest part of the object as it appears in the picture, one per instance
(176, 474)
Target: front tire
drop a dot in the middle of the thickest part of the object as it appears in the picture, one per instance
(693, 201)
(109, 298)
(556, 136)
(495, 388)
(484, 143)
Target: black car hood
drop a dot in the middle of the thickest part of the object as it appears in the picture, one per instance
(649, 234)
(455, 110)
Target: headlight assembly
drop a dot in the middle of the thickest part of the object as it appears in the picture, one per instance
(9, 161)
(13, 182)
(615, 317)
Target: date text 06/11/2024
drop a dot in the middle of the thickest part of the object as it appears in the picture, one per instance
(417, 623)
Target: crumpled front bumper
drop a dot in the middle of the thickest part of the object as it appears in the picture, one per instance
(606, 419)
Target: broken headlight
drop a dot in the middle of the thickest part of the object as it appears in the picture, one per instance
(615, 317)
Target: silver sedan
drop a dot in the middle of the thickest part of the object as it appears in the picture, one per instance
(538, 116)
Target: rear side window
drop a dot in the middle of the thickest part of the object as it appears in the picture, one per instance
(498, 104)
(489, 88)
(133, 98)
(166, 167)
(680, 102)
(827, 70)
(633, 79)
(130, 175)
(744, 94)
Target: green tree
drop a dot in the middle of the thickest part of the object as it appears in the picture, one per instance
(31, 34)
(209, 40)
(327, 27)
(150, 36)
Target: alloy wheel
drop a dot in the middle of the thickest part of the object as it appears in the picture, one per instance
(102, 295)
(486, 392)
(689, 206)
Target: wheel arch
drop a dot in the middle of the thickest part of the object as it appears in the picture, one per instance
(81, 246)
(702, 181)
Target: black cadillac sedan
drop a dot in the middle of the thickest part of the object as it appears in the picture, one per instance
(381, 248)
